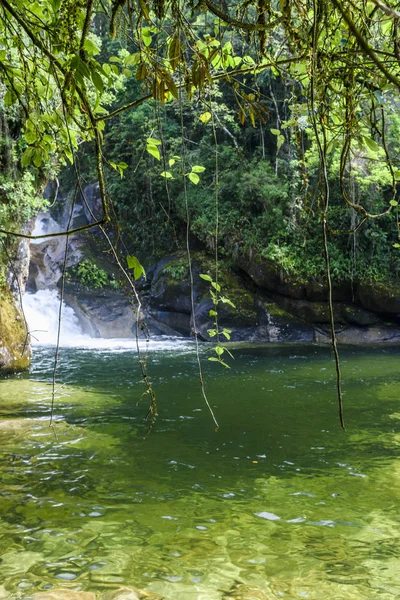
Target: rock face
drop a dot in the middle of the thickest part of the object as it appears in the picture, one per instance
(15, 349)
(14, 346)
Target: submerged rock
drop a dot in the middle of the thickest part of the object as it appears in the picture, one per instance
(125, 593)
(64, 594)
(247, 592)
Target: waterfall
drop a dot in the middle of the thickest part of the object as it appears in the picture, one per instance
(42, 314)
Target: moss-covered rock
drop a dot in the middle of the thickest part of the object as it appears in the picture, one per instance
(14, 351)
(380, 298)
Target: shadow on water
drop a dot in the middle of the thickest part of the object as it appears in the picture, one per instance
(280, 498)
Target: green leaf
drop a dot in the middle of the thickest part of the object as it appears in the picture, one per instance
(30, 137)
(396, 174)
(227, 49)
(132, 60)
(216, 286)
(146, 36)
(171, 162)
(219, 350)
(213, 313)
(212, 332)
(154, 151)
(205, 117)
(167, 175)
(91, 48)
(98, 81)
(227, 301)
(221, 362)
(27, 157)
(372, 145)
(153, 142)
(393, 203)
(83, 69)
(134, 264)
(198, 169)
(275, 131)
(194, 178)
(37, 158)
(8, 98)
(205, 277)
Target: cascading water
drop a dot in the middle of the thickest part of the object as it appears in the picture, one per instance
(42, 315)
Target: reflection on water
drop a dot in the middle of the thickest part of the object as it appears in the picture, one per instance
(280, 503)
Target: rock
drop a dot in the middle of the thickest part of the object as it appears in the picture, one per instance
(16, 425)
(125, 593)
(283, 326)
(361, 335)
(170, 286)
(267, 275)
(92, 206)
(358, 316)
(168, 323)
(64, 594)
(242, 591)
(47, 261)
(380, 298)
(13, 563)
(121, 594)
(102, 313)
(3, 593)
(15, 350)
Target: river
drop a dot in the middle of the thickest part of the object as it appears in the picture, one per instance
(279, 503)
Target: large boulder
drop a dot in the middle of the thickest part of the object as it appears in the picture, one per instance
(380, 298)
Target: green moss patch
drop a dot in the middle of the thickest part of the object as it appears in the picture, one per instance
(12, 336)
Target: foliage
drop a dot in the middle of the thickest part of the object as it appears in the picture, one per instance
(217, 332)
(308, 87)
(177, 269)
(90, 275)
(19, 199)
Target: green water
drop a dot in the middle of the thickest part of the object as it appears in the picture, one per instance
(280, 503)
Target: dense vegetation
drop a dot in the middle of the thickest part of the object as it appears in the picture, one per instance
(235, 92)
(265, 204)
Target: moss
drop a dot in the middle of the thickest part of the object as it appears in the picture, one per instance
(12, 336)
(177, 269)
(274, 310)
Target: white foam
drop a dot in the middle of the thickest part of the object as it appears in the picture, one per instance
(42, 311)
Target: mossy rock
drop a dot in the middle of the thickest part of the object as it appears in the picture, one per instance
(309, 312)
(14, 352)
(380, 298)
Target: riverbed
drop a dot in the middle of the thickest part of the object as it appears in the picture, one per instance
(280, 502)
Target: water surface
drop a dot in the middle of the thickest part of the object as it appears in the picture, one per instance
(280, 502)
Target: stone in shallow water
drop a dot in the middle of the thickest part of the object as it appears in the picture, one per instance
(19, 562)
(125, 593)
(247, 592)
(63, 595)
